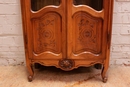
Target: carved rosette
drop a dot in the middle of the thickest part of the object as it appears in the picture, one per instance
(66, 64)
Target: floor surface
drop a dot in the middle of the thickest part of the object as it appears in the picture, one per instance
(16, 76)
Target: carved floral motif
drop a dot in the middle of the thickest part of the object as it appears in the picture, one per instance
(46, 36)
(66, 64)
(87, 33)
(46, 33)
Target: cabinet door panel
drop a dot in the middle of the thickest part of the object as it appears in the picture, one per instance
(46, 32)
(87, 31)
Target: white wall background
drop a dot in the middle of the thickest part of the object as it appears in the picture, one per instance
(120, 46)
(11, 36)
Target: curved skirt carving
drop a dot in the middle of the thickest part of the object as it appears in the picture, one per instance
(66, 64)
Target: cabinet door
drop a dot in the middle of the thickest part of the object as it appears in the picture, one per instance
(87, 29)
(46, 28)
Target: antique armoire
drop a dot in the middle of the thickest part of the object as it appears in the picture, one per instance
(67, 34)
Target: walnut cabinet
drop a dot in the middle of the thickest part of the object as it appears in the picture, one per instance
(67, 34)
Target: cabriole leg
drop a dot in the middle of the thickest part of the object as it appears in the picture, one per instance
(31, 72)
(103, 74)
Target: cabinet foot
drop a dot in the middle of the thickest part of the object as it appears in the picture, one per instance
(104, 79)
(30, 78)
(104, 70)
(31, 72)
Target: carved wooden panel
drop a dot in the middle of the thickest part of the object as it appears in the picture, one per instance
(87, 33)
(47, 33)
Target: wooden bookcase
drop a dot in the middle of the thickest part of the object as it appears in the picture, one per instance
(67, 34)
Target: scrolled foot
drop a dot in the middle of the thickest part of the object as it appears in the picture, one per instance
(104, 79)
(30, 78)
